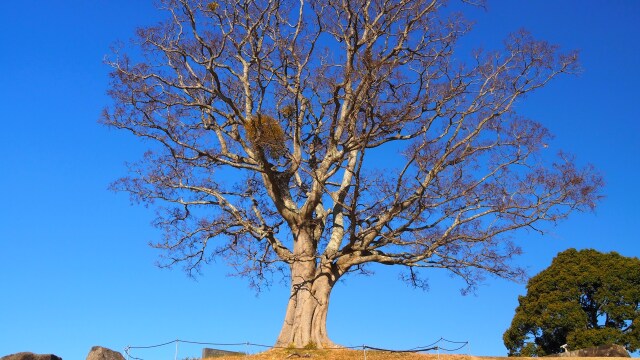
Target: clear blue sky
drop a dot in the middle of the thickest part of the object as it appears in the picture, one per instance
(75, 268)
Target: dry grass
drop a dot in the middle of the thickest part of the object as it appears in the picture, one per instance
(301, 354)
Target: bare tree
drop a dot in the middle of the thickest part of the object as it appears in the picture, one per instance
(315, 137)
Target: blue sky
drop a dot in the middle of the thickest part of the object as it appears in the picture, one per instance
(75, 268)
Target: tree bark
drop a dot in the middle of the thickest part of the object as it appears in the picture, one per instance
(305, 322)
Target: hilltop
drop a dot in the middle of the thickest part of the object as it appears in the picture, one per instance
(293, 354)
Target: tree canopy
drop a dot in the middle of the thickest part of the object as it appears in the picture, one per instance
(311, 138)
(585, 298)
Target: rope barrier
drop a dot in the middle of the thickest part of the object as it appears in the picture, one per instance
(432, 346)
(402, 351)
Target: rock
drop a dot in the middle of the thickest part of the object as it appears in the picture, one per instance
(213, 353)
(30, 356)
(102, 353)
(597, 351)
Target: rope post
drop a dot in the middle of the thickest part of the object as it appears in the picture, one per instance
(364, 350)
(438, 349)
(246, 353)
(176, 356)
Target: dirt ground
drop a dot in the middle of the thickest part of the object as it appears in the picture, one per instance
(301, 354)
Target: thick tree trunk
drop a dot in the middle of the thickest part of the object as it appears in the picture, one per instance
(305, 322)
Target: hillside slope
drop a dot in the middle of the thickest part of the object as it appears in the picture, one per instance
(301, 354)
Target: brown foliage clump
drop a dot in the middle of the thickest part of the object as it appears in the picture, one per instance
(266, 135)
(288, 111)
(213, 6)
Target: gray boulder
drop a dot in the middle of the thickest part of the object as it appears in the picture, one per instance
(597, 351)
(208, 353)
(30, 356)
(102, 353)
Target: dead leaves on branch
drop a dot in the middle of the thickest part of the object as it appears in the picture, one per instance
(266, 135)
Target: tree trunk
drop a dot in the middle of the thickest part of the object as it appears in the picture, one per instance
(305, 322)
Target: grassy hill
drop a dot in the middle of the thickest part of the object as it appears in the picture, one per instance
(298, 354)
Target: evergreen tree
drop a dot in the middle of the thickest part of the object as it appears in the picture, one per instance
(585, 298)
